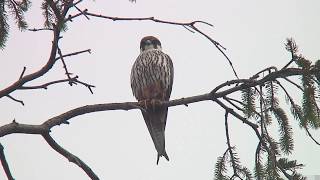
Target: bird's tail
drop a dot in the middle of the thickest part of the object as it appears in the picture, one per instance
(156, 122)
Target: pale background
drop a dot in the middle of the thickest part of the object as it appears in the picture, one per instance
(116, 144)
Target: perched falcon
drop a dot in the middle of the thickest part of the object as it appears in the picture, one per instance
(151, 79)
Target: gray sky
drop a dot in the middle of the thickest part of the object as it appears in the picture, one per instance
(116, 144)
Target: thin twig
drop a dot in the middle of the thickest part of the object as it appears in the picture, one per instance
(310, 135)
(238, 116)
(22, 73)
(190, 25)
(89, 86)
(81, 12)
(74, 53)
(65, 67)
(14, 99)
(40, 29)
(45, 86)
(288, 64)
(229, 145)
(295, 84)
(268, 69)
(229, 100)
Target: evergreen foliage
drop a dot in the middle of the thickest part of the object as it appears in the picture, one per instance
(17, 10)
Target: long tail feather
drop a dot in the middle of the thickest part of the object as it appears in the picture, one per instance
(156, 123)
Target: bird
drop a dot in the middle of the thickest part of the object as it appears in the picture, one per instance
(151, 80)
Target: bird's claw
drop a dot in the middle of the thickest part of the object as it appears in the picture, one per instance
(152, 103)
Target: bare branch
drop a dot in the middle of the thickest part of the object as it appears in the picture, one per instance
(14, 99)
(5, 164)
(22, 73)
(229, 145)
(45, 86)
(188, 26)
(65, 66)
(182, 101)
(72, 158)
(15, 127)
(310, 135)
(235, 114)
(16, 85)
(81, 12)
(230, 101)
(74, 53)
(89, 86)
(40, 29)
(295, 84)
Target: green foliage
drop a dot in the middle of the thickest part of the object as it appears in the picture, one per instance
(271, 99)
(271, 169)
(245, 172)
(220, 169)
(273, 146)
(291, 46)
(286, 140)
(53, 17)
(4, 27)
(17, 9)
(292, 167)
(267, 118)
(230, 157)
(317, 71)
(48, 14)
(285, 130)
(295, 109)
(248, 99)
(309, 105)
(259, 170)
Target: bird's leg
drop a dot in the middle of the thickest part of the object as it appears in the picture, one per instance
(144, 103)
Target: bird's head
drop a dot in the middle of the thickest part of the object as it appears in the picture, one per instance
(149, 43)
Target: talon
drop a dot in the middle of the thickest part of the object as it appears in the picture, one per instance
(144, 104)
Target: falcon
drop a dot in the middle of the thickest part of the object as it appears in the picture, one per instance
(151, 80)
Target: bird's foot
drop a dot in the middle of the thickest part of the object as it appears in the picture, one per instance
(144, 104)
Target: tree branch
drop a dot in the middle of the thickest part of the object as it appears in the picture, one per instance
(65, 67)
(72, 158)
(63, 118)
(16, 85)
(229, 145)
(310, 135)
(74, 53)
(14, 99)
(5, 164)
(45, 86)
(188, 26)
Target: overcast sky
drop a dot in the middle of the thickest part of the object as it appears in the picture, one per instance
(117, 144)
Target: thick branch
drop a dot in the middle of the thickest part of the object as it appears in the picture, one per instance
(63, 118)
(15, 127)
